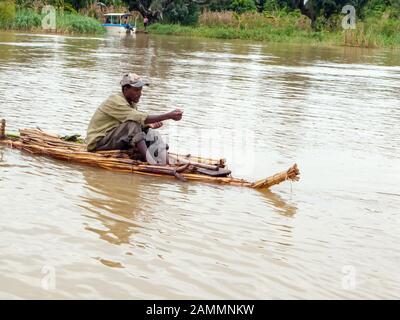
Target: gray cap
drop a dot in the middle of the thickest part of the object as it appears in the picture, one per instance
(133, 80)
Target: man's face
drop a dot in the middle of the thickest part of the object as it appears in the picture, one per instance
(133, 94)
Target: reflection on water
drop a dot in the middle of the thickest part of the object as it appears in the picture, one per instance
(115, 204)
(333, 110)
(281, 206)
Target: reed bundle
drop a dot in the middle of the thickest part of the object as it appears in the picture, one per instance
(184, 167)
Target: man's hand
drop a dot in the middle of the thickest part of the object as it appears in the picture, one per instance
(155, 125)
(176, 115)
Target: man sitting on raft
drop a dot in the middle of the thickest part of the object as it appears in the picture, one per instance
(118, 125)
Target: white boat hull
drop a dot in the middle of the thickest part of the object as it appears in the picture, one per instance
(119, 30)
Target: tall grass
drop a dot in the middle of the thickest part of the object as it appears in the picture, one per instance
(253, 20)
(218, 19)
(77, 24)
(374, 32)
(359, 37)
(279, 26)
(272, 26)
(27, 20)
(30, 20)
(267, 33)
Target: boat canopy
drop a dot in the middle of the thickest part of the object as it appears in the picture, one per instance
(116, 19)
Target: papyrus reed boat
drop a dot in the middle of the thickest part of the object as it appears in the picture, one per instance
(182, 167)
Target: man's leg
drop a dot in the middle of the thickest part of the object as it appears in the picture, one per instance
(126, 136)
(142, 147)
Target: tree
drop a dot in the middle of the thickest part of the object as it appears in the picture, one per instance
(241, 6)
(326, 8)
(218, 5)
(260, 4)
(155, 10)
(184, 12)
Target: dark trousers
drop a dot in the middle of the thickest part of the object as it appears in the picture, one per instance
(123, 137)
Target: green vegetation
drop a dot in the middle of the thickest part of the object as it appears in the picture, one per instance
(185, 13)
(7, 12)
(13, 136)
(265, 33)
(68, 23)
(242, 6)
(73, 138)
(378, 22)
(29, 18)
(26, 20)
(74, 24)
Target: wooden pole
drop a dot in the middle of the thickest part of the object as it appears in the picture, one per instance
(291, 174)
(196, 164)
(3, 129)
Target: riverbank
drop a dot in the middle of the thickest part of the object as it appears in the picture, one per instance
(66, 23)
(371, 33)
(267, 33)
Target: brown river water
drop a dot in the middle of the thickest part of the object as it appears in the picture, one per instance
(71, 231)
